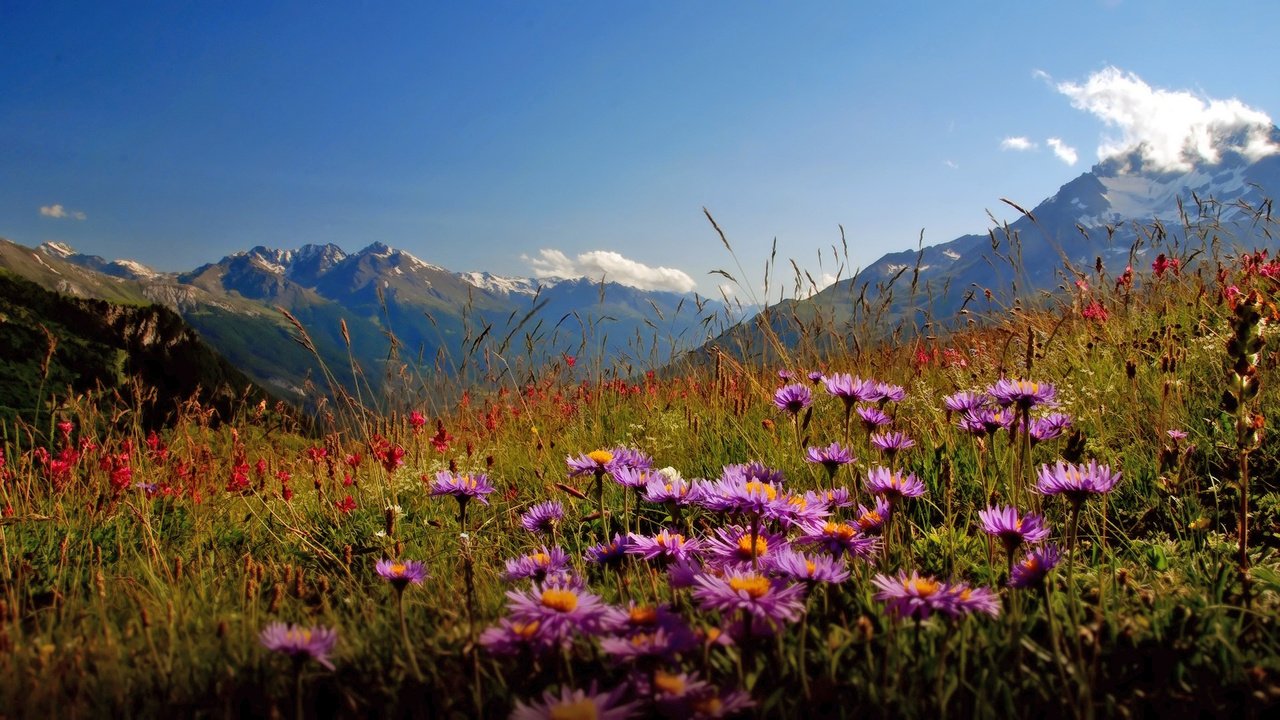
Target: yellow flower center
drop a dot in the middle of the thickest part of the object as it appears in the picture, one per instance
(843, 531)
(600, 457)
(754, 585)
(644, 615)
(584, 709)
(1031, 564)
(299, 636)
(397, 569)
(668, 683)
(525, 630)
(755, 487)
(541, 559)
(924, 587)
(670, 539)
(810, 568)
(709, 707)
(745, 548)
(798, 501)
(561, 600)
(713, 634)
(871, 518)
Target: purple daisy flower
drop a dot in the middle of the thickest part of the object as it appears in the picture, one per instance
(830, 457)
(761, 596)
(1077, 482)
(893, 485)
(837, 539)
(871, 520)
(631, 477)
(963, 402)
(795, 565)
(664, 488)
(596, 461)
(463, 486)
(639, 618)
(664, 547)
(537, 565)
(683, 695)
(886, 391)
(793, 398)
(914, 596)
(746, 472)
(731, 495)
(1176, 435)
(609, 553)
(892, 443)
(574, 703)
(873, 417)
(974, 600)
(1022, 394)
(300, 642)
(683, 572)
(1013, 530)
(785, 375)
(510, 637)
(543, 517)
(732, 547)
(657, 643)
(1031, 570)
(850, 389)
(402, 572)
(815, 377)
(561, 609)
(1049, 427)
(833, 498)
(792, 510)
(630, 458)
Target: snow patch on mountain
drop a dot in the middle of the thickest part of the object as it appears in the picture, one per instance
(505, 285)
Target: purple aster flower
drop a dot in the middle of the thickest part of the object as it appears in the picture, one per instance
(795, 565)
(300, 642)
(833, 498)
(886, 391)
(873, 417)
(792, 510)
(914, 596)
(609, 553)
(1077, 482)
(683, 695)
(871, 520)
(785, 375)
(463, 486)
(732, 546)
(763, 597)
(537, 565)
(510, 637)
(1013, 530)
(964, 402)
(731, 495)
(640, 618)
(664, 547)
(793, 398)
(682, 572)
(561, 609)
(402, 572)
(543, 517)
(1176, 435)
(838, 539)
(850, 389)
(1031, 570)
(892, 443)
(830, 457)
(975, 600)
(574, 703)
(656, 643)
(1049, 427)
(815, 377)
(1022, 394)
(893, 485)
(596, 461)
(630, 458)
(664, 488)
(634, 478)
(746, 472)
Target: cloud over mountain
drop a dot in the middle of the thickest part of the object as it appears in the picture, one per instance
(58, 212)
(612, 266)
(1173, 129)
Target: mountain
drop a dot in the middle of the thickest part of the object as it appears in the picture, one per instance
(1123, 211)
(317, 320)
(51, 343)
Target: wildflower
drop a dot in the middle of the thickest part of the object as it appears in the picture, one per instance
(609, 553)
(850, 389)
(888, 392)
(763, 597)
(509, 637)
(733, 546)
(914, 596)
(873, 418)
(1011, 529)
(746, 472)
(1095, 311)
(1032, 569)
(830, 457)
(560, 608)
(793, 398)
(402, 572)
(795, 565)
(670, 489)
(654, 643)
(785, 375)
(892, 443)
(839, 538)
(963, 402)
(835, 497)
(1163, 264)
(463, 486)
(300, 642)
(792, 509)
(345, 505)
(543, 517)
(596, 461)
(871, 520)
(1023, 394)
(815, 377)
(537, 565)
(893, 485)
(417, 420)
(629, 458)
(574, 703)
(971, 600)
(634, 478)
(684, 695)
(1076, 482)
(731, 494)
(1049, 427)
(664, 547)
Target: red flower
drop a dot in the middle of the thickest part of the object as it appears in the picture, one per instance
(346, 505)
(570, 360)
(417, 420)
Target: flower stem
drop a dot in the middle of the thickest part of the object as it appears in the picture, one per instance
(404, 635)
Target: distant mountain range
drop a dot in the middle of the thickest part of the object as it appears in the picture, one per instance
(381, 320)
(1123, 211)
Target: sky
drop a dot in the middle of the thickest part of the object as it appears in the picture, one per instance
(578, 138)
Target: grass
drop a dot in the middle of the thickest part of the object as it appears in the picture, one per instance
(137, 570)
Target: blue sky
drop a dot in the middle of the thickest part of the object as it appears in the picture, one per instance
(529, 136)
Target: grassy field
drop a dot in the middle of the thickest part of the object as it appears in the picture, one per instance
(1114, 441)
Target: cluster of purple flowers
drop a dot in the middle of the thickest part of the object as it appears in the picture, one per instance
(914, 596)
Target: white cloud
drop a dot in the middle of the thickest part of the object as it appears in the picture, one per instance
(1017, 143)
(59, 212)
(1039, 74)
(951, 164)
(612, 266)
(1172, 128)
(1065, 152)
